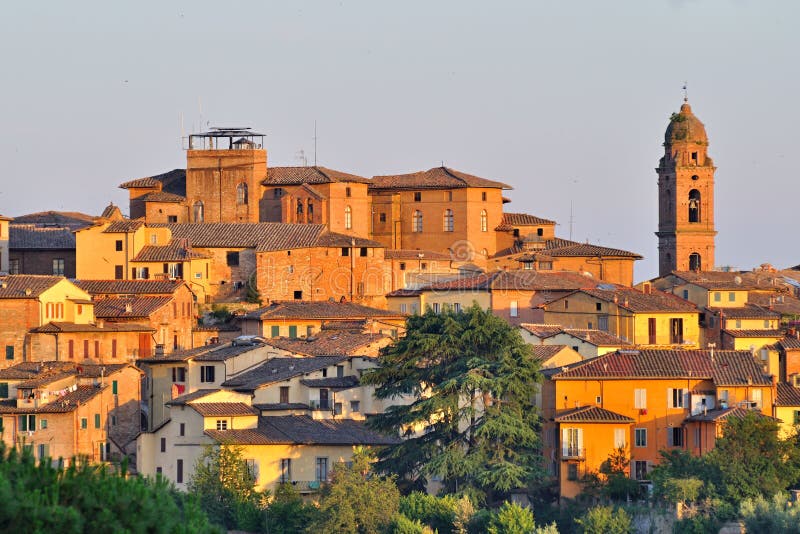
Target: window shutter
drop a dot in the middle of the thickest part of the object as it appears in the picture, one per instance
(669, 398)
(580, 441)
(670, 435)
(564, 442)
(685, 398)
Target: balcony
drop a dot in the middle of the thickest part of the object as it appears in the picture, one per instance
(573, 453)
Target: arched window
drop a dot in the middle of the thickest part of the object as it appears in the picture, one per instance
(694, 206)
(241, 194)
(197, 212)
(310, 211)
(447, 223)
(484, 221)
(348, 217)
(695, 263)
(299, 207)
(668, 195)
(416, 221)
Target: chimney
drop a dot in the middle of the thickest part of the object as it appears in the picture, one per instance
(128, 308)
(28, 291)
(159, 349)
(100, 323)
(646, 288)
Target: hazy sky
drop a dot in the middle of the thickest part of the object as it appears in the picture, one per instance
(565, 101)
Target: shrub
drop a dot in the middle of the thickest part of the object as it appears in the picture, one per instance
(605, 520)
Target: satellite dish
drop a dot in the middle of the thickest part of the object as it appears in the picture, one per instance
(737, 280)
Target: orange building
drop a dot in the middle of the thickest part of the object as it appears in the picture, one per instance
(645, 401)
(685, 197)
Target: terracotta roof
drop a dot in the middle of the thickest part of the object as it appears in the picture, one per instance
(220, 409)
(308, 175)
(30, 236)
(17, 286)
(436, 178)
(789, 342)
(788, 395)
(596, 337)
(123, 227)
(206, 353)
(729, 367)
(333, 239)
(777, 334)
(69, 219)
(720, 279)
(138, 307)
(278, 406)
(685, 127)
(54, 328)
(638, 301)
(174, 251)
(541, 330)
(243, 437)
(189, 397)
(173, 181)
(558, 247)
(278, 370)
(129, 287)
(746, 312)
(541, 281)
(357, 325)
(410, 254)
(263, 236)
(545, 352)
(781, 303)
(405, 293)
(328, 343)
(161, 196)
(32, 370)
(334, 382)
(294, 309)
(511, 220)
(64, 404)
(591, 414)
(726, 413)
(302, 429)
(216, 328)
(111, 211)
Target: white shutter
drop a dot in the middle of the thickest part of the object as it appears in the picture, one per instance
(564, 442)
(580, 441)
(669, 436)
(619, 438)
(669, 398)
(685, 398)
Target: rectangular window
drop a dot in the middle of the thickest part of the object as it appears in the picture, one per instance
(114, 387)
(113, 348)
(71, 349)
(298, 295)
(513, 309)
(545, 265)
(84, 423)
(118, 245)
(275, 331)
(620, 438)
(676, 331)
(232, 259)
(797, 417)
(85, 348)
(44, 450)
(113, 420)
(417, 196)
(284, 395)
(9, 352)
(222, 424)
(640, 399)
(286, 470)
(602, 323)
(685, 294)
(13, 266)
(363, 252)
(337, 408)
(293, 331)
(651, 331)
(403, 308)
(755, 398)
(163, 444)
(207, 373)
(182, 429)
(309, 331)
(179, 374)
(677, 398)
(640, 437)
(457, 307)
(382, 217)
(118, 273)
(345, 251)
(3, 390)
(172, 219)
(675, 437)
(436, 307)
(97, 420)
(572, 442)
(483, 196)
(179, 474)
(58, 266)
(97, 349)
(322, 469)
(640, 470)
(697, 436)
(717, 296)
(252, 467)
(355, 406)
(731, 297)
(43, 424)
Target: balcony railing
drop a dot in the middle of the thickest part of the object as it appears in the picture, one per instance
(572, 453)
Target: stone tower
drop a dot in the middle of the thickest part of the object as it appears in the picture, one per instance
(685, 197)
(224, 171)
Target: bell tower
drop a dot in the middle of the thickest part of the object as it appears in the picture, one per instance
(685, 197)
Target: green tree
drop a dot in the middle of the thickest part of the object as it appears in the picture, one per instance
(618, 485)
(357, 500)
(605, 520)
(471, 378)
(750, 460)
(776, 516)
(225, 487)
(287, 513)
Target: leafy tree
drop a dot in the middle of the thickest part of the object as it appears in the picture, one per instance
(437, 512)
(614, 484)
(776, 516)
(357, 500)
(471, 378)
(679, 464)
(287, 513)
(225, 487)
(605, 520)
(253, 296)
(750, 460)
(38, 497)
(403, 525)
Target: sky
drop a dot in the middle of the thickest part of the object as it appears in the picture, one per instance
(565, 101)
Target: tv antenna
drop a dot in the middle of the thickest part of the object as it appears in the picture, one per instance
(685, 91)
(315, 143)
(571, 219)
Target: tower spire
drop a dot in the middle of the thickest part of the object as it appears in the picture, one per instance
(686, 91)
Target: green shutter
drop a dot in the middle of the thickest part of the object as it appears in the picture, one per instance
(275, 331)
(84, 423)
(23, 423)
(114, 387)
(293, 331)
(3, 390)
(97, 420)
(9, 352)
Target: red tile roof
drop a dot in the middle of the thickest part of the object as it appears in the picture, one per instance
(409, 254)
(161, 196)
(777, 334)
(124, 227)
(558, 247)
(175, 251)
(596, 337)
(436, 178)
(511, 220)
(328, 343)
(541, 330)
(308, 175)
(26, 286)
(637, 301)
(728, 368)
(545, 352)
(30, 236)
(129, 308)
(173, 181)
(788, 395)
(220, 409)
(294, 309)
(68, 219)
(789, 342)
(746, 312)
(129, 287)
(64, 404)
(726, 413)
(54, 328)
(591, 414)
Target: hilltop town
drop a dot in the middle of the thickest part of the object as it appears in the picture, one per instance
(233, 302)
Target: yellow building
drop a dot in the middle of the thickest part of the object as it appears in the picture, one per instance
(646, 401)
(4, 238)
(787, 408)
(588, 343)
(649, 318)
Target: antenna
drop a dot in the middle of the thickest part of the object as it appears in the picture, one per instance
(200, 109)
(685, 91)
(571, 219)
(315, 143)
